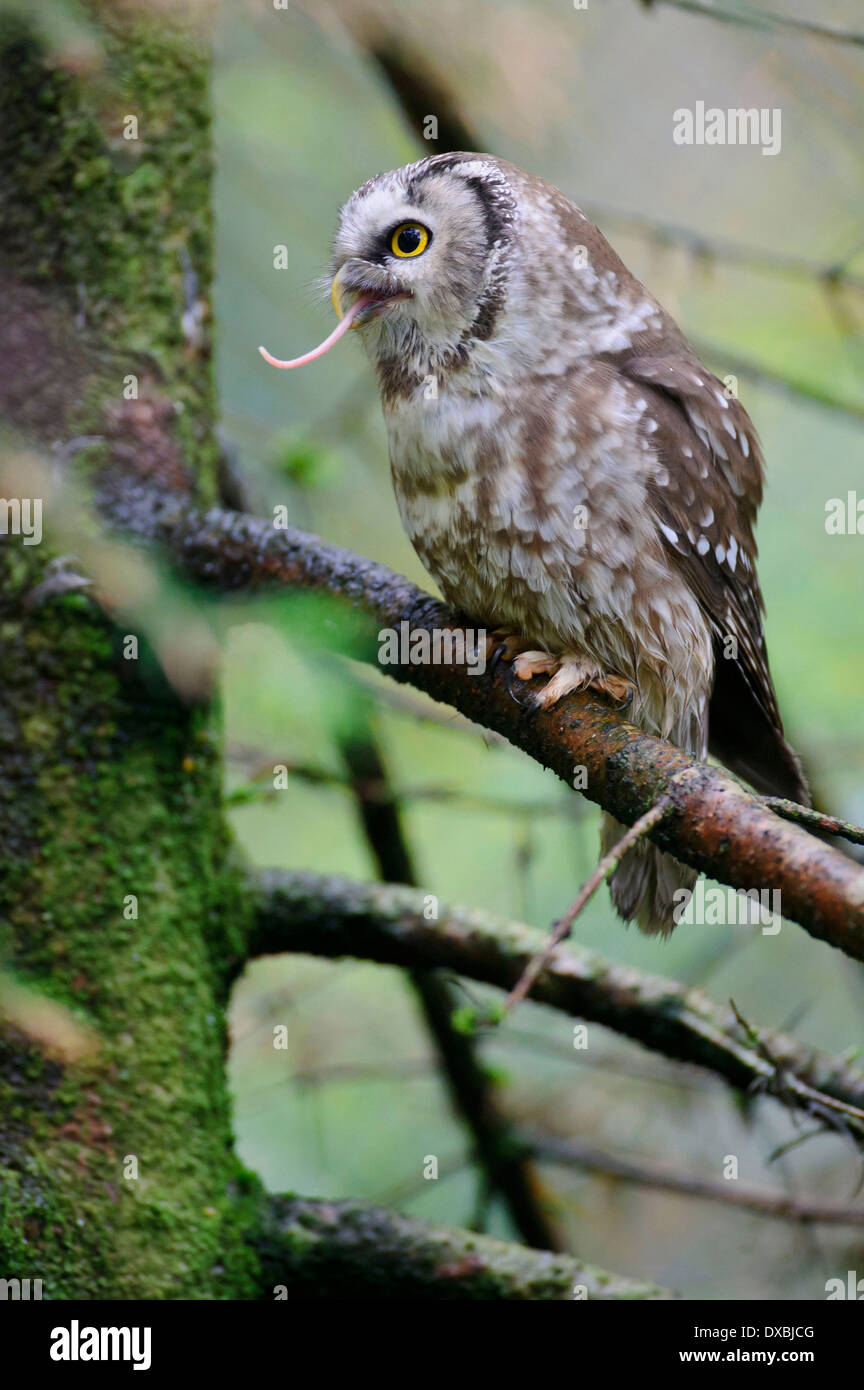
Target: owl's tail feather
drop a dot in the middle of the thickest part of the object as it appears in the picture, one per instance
(647, 886)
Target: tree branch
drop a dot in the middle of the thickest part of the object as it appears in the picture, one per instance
(804, 815)
(715, 824)
(349, 1250)
(760, 1201)
(767, 20)
(333, 917)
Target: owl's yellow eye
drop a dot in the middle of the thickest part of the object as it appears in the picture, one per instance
(409, 239)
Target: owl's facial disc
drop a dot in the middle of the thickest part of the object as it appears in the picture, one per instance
(422, 238)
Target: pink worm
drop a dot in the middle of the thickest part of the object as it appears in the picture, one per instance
(338, 332)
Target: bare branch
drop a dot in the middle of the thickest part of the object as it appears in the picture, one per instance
(759, 1200)
(709, 248)
(762, 374)
(803, 815)
(767, 19)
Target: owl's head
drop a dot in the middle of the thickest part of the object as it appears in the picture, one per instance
(462, 261)
(427, 247)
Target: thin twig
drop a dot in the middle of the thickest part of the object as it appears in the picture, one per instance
(758, 1200)
(562, 928)
(767, 20)
(803, 815)
(778, 1081)
(708, 247)
(259, 787)
(729, 361)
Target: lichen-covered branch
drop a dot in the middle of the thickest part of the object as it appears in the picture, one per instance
(715, 824)
(328, 916)
(348, 1250)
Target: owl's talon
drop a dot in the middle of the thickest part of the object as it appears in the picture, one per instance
(503, 645)
(495, 658)
(509, 677)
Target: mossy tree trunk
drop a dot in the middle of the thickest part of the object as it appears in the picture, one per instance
(118, 1173)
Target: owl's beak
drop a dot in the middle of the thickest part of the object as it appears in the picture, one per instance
(336, 295)
(372, 297)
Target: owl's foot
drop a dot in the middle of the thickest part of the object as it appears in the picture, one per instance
(568, 672)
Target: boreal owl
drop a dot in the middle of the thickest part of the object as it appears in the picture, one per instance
(567, 470)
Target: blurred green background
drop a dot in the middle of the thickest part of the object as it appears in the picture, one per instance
(585, 98)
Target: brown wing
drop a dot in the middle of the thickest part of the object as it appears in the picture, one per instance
(705, 497)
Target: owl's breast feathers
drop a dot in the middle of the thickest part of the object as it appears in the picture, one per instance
(608, 508)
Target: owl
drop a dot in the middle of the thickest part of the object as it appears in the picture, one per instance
(568, 471)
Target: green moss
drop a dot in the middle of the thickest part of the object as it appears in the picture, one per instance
(111, 223)
(100, 794)
(105, 793)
